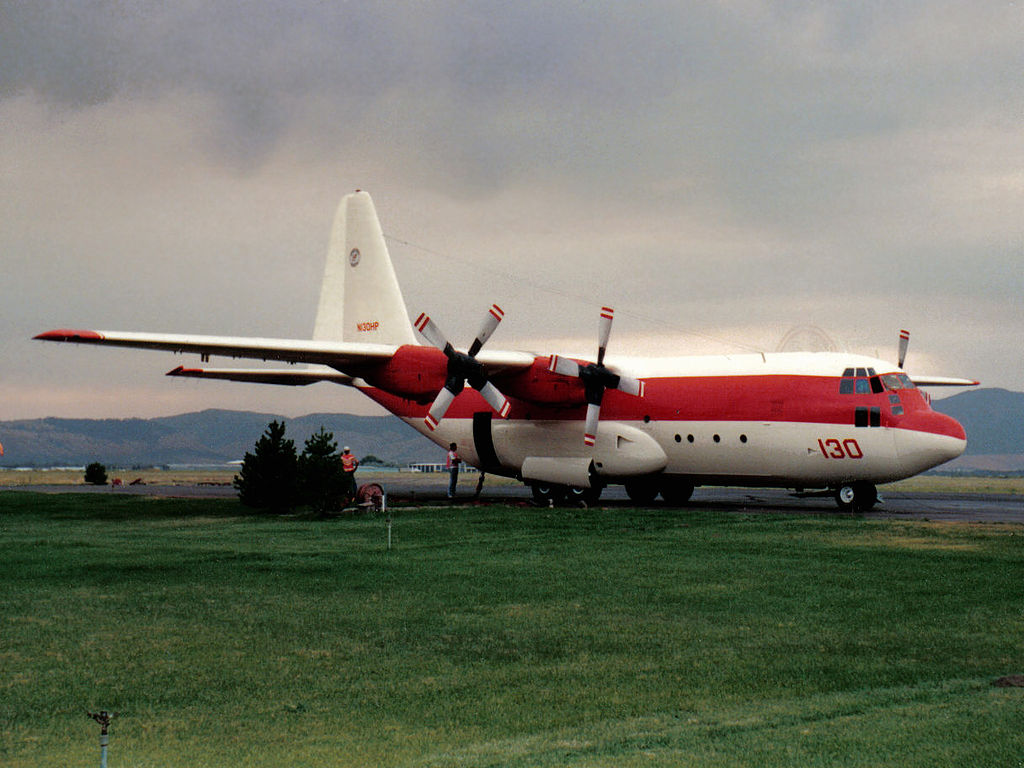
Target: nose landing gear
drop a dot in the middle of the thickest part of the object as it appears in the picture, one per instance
(856, 497)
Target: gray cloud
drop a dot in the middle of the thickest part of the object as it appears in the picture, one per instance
(499, 92)
(750, 156)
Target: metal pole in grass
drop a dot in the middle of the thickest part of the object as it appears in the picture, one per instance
(103, 718)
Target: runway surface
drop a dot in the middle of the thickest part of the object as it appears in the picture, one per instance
(405, 490)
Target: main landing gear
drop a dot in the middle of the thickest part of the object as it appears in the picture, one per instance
(642, 491)
(856, 497)
(675, 491)
(547, 494)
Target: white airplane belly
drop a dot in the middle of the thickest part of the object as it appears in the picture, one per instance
(779, 452)
(787, 453)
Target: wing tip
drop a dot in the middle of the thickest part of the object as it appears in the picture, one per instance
(943, 381)
(67, 334)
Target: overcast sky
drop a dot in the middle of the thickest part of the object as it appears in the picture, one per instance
(720, 174)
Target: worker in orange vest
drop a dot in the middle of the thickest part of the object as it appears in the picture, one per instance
(349, 464)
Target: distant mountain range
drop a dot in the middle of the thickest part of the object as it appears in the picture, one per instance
(206, 437)
(993, 418)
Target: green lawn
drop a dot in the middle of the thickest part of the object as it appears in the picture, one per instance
(504, 636)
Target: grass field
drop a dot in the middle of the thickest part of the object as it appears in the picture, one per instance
(504, 636)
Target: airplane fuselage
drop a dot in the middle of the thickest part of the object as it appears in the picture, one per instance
(792, 420)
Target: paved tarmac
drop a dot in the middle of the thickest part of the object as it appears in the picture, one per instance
(403, 490)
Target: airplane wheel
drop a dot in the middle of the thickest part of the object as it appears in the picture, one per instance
(676, 493)
(544, 494)
(588, 496)
(856, 497)
(641, 491)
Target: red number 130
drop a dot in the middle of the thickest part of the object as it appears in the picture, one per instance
(847, 449)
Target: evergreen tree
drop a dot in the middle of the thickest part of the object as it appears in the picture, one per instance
(269, 476)
(96, 474)
(321, 479)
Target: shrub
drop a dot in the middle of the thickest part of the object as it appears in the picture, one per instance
(96, 474)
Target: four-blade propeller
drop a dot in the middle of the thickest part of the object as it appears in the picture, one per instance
(463, 368)
(596, 377)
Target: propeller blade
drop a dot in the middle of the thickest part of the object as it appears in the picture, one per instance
(430, 331)
(604, 331)
(593, 416)
(495, 399)
(494, 316)
(596, 378)
(904, 343)
(564, 366)
(630, 386)
(439, 408)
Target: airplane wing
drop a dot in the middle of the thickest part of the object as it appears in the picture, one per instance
(339, 355)
(345, 357)
(299, 377)
(496, 361)
(942, 381)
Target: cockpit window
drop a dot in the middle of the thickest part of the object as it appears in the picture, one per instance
(865, 381)
(897, 381)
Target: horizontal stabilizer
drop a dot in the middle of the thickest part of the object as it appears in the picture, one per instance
(290, 377)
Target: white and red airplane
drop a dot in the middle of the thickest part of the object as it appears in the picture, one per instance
(833, 422)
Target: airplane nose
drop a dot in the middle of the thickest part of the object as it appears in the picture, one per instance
(927, 439)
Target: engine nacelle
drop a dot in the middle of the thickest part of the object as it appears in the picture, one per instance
(414, 371)
(621, 451)
(540, 386)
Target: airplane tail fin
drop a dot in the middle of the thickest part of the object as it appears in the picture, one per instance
(360, 299)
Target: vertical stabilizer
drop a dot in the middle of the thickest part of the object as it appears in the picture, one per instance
(360, 299)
